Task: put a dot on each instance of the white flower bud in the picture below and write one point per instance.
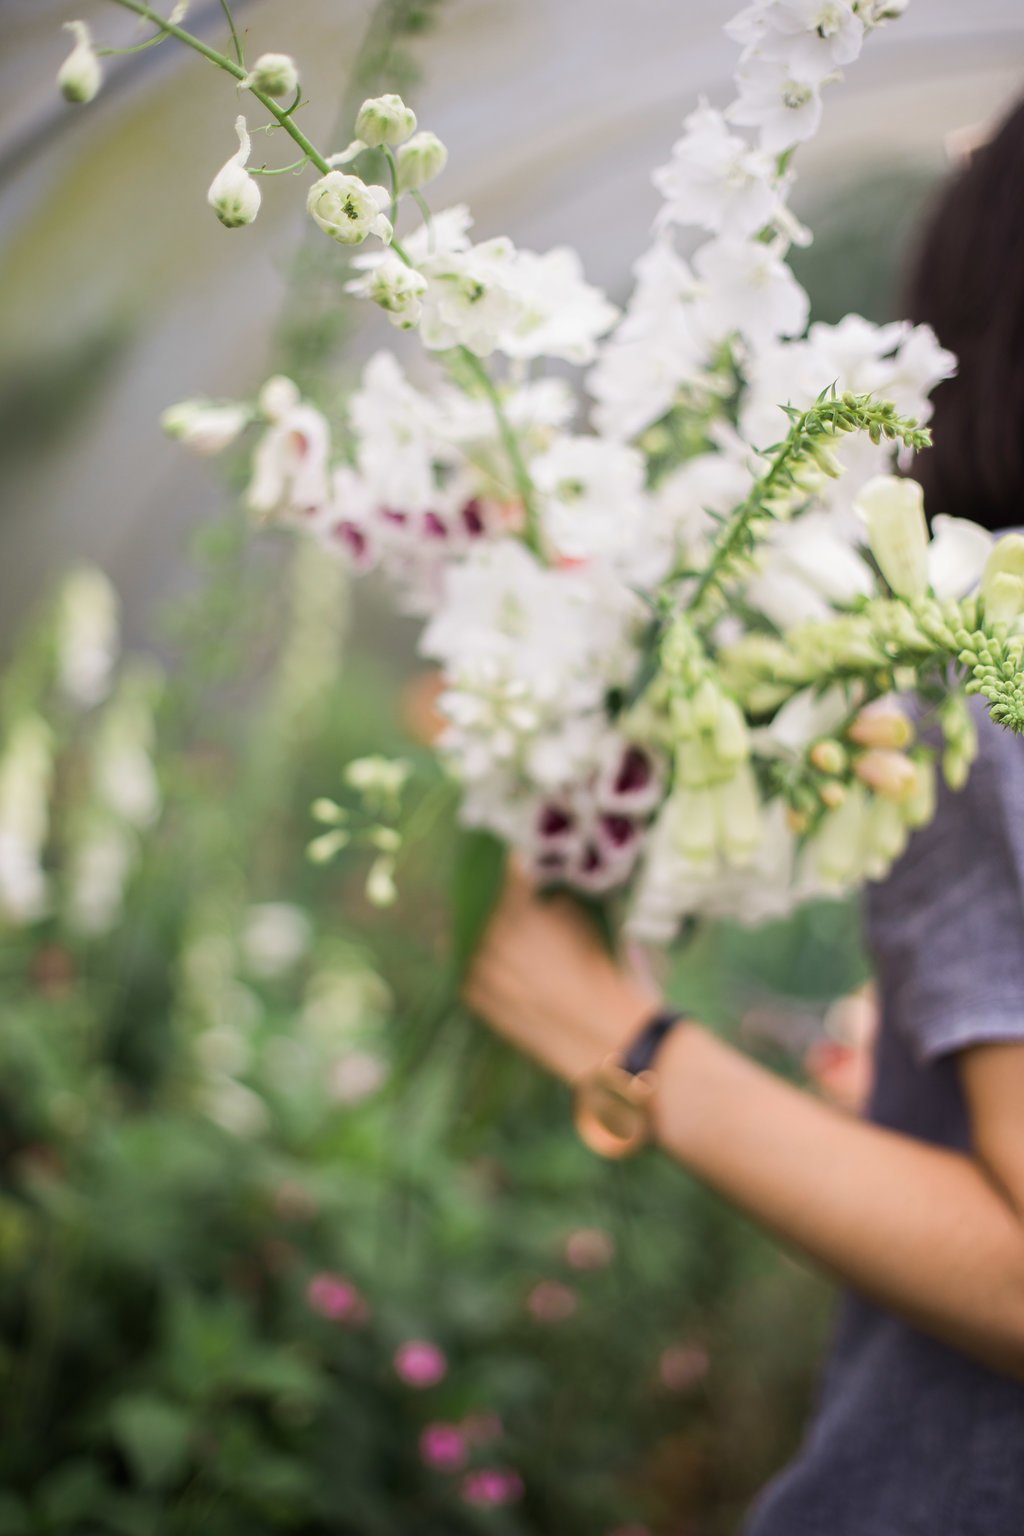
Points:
(420, 160)
(837, 848)
(275, 74)
(80, 76)
(203, 425)
(348, 210)
(381, 890)
(278, 396)
(385, 120)
(893, 510)
(234, 195)
(1002, 584)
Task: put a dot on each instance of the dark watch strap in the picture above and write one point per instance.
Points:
(639, 1057)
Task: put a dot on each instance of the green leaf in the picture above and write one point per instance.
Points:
(153, 1435)
(478, 877)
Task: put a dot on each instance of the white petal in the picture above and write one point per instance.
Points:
(956, 555)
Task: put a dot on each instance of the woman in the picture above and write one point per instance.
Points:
(918, 1208)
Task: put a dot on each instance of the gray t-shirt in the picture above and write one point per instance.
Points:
(911, 1437)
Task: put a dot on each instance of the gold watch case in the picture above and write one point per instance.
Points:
(612, 1110)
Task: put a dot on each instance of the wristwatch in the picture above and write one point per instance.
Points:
(612, 1105)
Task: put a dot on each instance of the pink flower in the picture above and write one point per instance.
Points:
(443, 1446)
(589, 1248)
(551, 1302)
(492, 1486)
(419, 1363)
(682, 1366)
(334, 1297)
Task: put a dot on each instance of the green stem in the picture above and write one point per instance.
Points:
(230, 67)
(389, 156)
(239, 55)
(280, 170)
(520, 474)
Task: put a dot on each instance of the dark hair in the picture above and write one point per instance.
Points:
(967, 282)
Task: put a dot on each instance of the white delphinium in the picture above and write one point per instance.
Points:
(397, 288)
(782, 102)
(420, 160)
(234, 195)
(397, 446)
(275, 74)
(717, 181)
(88, 636)
(385, 120)
(747, 288)
(471, 298)
(348, 209)
(654, 352)
(561, 314)
(815, 37)
(592, 496)
(26, 768)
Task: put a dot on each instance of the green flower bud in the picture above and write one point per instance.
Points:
(919, 806)
(829, 756)
(420, 160)
(385, 120)
(893, 510)
(706, 704)
(731, 736)
(275, 74)
(80, 76)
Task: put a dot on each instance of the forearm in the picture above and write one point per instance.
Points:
(919, 1229)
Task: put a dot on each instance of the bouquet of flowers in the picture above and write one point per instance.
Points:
(674, 611)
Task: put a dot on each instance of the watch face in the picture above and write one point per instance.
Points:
(612, 1110)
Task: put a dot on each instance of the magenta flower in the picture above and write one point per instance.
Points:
(492, 1486)
(443, 1446)
(419, 1363)
(334, 1297)
(551, 1302)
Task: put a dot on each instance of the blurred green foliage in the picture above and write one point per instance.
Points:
(236, 1082)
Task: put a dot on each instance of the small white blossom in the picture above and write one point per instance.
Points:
(748, 288)
(592, 495)
(80, 76)
(234, 195)
(290, 464)
(716, 181)
(348, 210)
(812, 37)
(782, 103)
(397, 288)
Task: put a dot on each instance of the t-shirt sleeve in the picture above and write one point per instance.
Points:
(947, 927)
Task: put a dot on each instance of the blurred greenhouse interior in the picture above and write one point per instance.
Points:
(284, 1244)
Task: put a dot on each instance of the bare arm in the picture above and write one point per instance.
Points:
(934, 1235)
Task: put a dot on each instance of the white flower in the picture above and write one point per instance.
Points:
(397, 288)
(748, 288)
(471, 298)
(420, 160)
(275, 74)
(655, 350)
(396, 446)
(275, 937)
(348, 210)
(87, 636)
(1002, 585)
(204, 426)
(290, 464)
(80, 76)
(385, 120)
(805, 569)
(716, 180)
(234, 195)
(814, 37)
(592, 495)
(783, 103)
(26, 769)
(893, 510)
(956, 556)
(561, 315)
